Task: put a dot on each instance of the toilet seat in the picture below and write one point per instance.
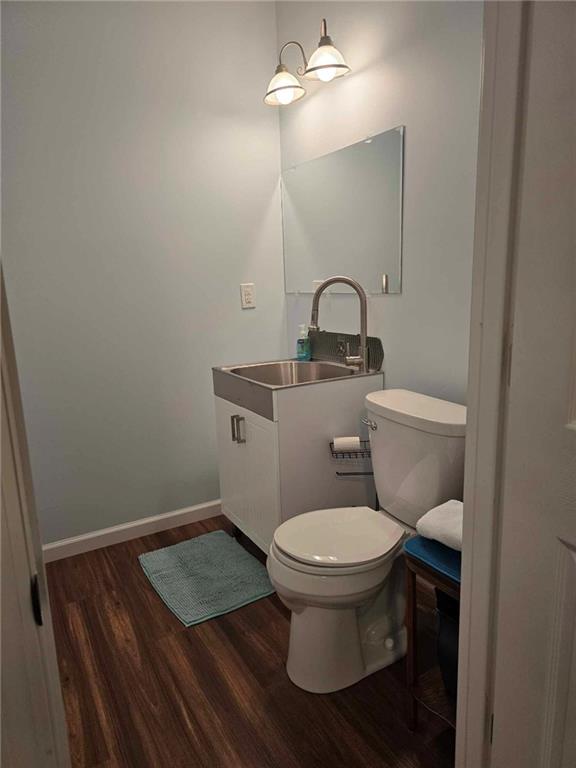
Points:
(337, 541)
(326, 571)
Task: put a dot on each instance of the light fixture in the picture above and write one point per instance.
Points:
(285, 88)
(326, 64)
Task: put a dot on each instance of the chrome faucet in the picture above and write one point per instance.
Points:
(361, 359)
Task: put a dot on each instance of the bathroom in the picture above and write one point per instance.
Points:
(153, 252)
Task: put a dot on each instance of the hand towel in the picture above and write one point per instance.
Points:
(444, 524)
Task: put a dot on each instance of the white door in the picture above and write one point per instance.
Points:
(534, 683)
(33, 727)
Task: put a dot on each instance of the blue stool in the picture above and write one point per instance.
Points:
(439, 566)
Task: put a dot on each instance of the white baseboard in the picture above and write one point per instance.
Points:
(86, 542)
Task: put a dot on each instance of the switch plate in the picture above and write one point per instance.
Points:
(247, 297)
(316, 284)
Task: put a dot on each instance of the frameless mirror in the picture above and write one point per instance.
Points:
(342, 215)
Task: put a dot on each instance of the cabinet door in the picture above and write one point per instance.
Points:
(262, 475)
(249, 472)
(231, 463)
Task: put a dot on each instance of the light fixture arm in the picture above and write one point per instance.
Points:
(325, 38)
(300, 70)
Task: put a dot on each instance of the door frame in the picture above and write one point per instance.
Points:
(25, 552)
(502, 75)
(503, 69)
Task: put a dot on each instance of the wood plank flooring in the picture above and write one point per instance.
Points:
(142, 691)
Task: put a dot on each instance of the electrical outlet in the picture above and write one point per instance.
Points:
(247, 297)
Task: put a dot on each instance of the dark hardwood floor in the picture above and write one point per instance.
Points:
(142, 691)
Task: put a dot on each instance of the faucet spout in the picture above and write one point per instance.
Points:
(361, 359)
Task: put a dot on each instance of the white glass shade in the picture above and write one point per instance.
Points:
(325, 64)
(283, 89)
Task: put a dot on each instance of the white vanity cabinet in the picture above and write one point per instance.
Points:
(278, 465)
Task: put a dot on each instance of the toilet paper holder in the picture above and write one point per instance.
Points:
(363, 452)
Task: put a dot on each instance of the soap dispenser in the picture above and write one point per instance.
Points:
(303, 351)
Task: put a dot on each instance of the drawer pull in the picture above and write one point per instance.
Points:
(239, 421)
(235, 422)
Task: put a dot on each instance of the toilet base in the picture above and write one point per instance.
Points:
(326, 652)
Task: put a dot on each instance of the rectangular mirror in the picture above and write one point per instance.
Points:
(342, 215)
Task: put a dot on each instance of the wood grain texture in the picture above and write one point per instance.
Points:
(143, 691)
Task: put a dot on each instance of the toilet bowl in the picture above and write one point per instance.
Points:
(339, 631)
(339, 571)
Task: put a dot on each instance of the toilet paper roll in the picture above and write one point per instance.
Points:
(347, 444)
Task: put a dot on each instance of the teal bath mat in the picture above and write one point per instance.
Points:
(205, 577)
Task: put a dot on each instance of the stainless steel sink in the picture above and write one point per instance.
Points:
(254, 385)
(287, 373)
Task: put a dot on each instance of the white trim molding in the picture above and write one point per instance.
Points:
(504, 26)
(116, 534)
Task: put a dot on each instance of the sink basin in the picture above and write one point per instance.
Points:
(285, 373)
(256, 386)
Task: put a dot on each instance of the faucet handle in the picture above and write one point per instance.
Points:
(357, 359)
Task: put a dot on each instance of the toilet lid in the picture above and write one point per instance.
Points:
(344, 536)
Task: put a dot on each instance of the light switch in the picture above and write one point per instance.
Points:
(247, 296)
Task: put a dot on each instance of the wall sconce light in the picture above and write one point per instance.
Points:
(326, 63)
(284, 88)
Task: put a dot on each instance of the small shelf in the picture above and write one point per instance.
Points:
(364, 452)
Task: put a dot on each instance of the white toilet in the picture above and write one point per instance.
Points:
(338, 570)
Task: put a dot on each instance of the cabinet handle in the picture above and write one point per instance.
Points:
(240, 420)
(235, 422)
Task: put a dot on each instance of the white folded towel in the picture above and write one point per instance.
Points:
(443, 523)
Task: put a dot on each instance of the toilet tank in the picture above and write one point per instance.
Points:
(417, 451)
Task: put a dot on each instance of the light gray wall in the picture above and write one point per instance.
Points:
(140, 181)
(140, 187)
(418, 65)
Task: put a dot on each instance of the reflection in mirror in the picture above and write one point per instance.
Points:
(342, 215)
